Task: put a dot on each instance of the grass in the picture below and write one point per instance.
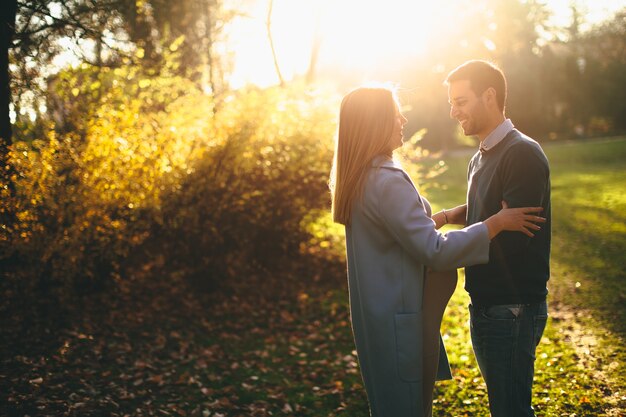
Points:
(581, 357)
(282, 345)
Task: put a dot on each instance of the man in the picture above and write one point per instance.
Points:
(508, 310)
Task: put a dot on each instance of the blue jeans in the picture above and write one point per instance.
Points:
(504, 338)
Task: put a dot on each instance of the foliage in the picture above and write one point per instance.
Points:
(110, 34)
(150, 24)
(247, 201)
(605, 69)
(42, 31)
(147, 161)
(82, 198)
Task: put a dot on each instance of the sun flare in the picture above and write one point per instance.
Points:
(353, 35)
(356, 37)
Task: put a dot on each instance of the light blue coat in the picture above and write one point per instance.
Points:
(390, 241)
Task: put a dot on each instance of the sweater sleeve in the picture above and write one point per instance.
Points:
(403, 214)
(525, 180)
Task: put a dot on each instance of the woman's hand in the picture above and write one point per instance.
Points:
(521, 219)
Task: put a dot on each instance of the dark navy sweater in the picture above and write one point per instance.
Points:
(515, 170)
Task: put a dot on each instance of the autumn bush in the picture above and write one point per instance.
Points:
(135, 163)
(242, 205)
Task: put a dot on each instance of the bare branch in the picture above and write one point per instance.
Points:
(268, 25)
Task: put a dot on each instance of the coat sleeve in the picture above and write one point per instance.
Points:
(403, 214)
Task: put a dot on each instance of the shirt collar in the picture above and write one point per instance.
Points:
(496, 135)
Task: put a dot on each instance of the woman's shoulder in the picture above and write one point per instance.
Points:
(387, 180)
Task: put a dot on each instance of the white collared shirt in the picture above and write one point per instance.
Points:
(497, 135)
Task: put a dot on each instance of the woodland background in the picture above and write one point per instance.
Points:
(165, 242)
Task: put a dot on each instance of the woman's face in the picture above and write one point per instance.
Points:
(397, 135)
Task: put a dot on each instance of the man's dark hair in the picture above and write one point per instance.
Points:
(481, 75)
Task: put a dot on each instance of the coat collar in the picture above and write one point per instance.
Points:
(382, 161)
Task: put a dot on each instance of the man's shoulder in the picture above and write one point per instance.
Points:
(519, 143)
(517, 138)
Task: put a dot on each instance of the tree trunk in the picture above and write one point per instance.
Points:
(209, 9)
(7, 30)
(315, 51)
(268, 25)
(315, 48)
(7, 214)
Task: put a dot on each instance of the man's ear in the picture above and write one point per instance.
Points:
(490, 96)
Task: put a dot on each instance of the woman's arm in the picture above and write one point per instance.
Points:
(454, 215)
(520, 220)
(401, 211)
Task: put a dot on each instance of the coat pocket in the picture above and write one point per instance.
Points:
(409, 346)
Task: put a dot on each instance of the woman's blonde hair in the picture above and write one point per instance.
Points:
(366, 122)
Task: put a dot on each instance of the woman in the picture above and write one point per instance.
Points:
(391, 240)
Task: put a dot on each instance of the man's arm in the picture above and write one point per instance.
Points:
(457, 215)
(526, 181)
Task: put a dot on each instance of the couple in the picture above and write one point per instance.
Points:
(393, 249)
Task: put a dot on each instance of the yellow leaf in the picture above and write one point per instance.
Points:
(177, 42)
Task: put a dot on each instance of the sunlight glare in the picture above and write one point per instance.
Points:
(358, 37)
(353, 34)
(366, 34)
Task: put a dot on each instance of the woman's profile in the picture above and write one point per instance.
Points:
(391, 241)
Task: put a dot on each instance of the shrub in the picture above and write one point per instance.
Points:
(243, 204)
(149, 163)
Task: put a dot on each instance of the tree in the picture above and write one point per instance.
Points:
(107, 31)
(586, 77)
(7, 188)
(603, 52)
(7, 31)
(40, 26)
(268, 26)
(155, 24)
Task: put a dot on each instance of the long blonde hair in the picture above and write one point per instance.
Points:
(366, 122)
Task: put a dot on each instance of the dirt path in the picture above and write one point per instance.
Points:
(600, 353)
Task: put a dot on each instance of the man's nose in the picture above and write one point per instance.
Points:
(453, 112)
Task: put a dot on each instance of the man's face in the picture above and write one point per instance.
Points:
(468, 109)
